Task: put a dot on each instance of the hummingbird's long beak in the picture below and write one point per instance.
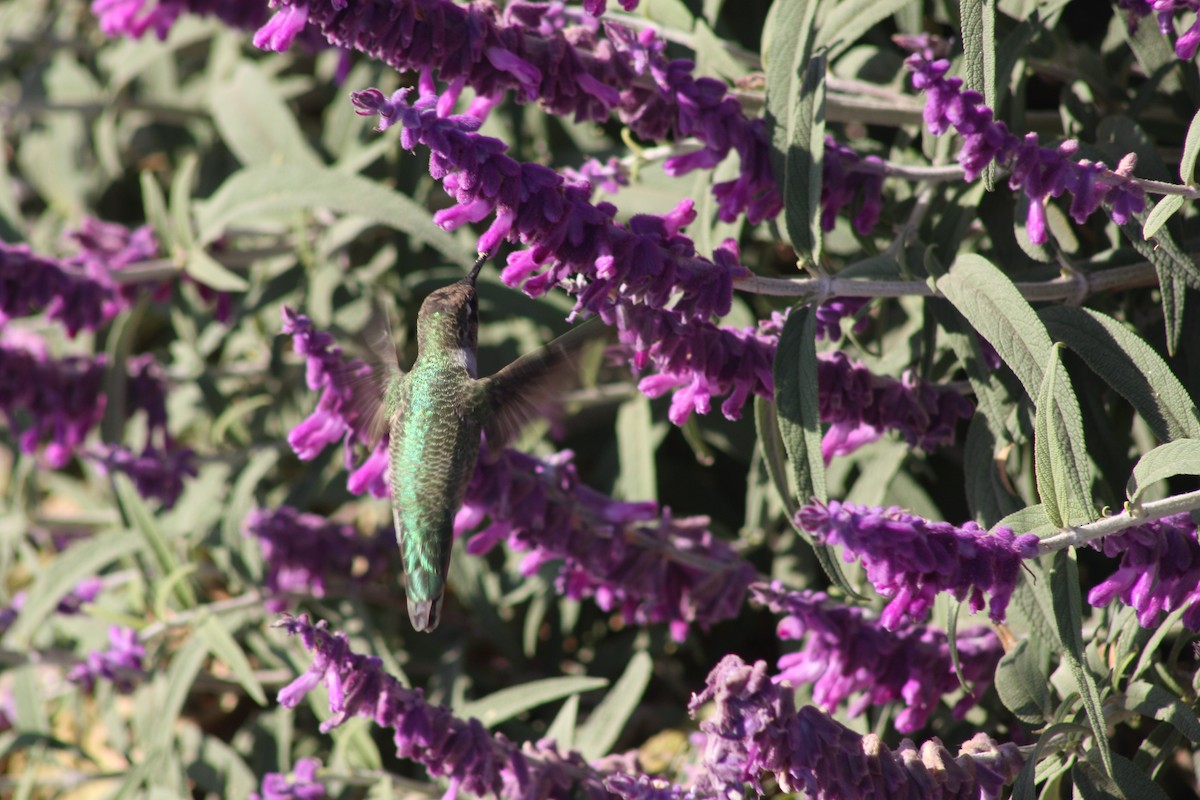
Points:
(474, 273)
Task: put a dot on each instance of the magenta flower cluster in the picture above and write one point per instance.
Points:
(848, 653)
(302, 786)
(86, 591)
(755, 730)
(532, 52)
(846, 177)
(1159, 570)
(1166, 11)
(302, 551)
(461, 751)
(120, 663)
(635, 558)
(910, 560)
(1041, 172)
(134, 17)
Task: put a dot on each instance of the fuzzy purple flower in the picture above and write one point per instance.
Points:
(635, 558)
(335, 418)
(1159, 570)
(829, 316)
(86, 591)
(460, 750)
(1165, 10)
(569, 70)
(120, 663)
(845, 175)
(756, 730)
(910, 560)
(133, 18)
(303, 785)
(156, 473)
(1041, 171)
(30, 283)
(847, 652)
(48, 402)
(644, 787)
(302, 550)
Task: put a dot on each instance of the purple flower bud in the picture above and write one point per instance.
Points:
(635, 558)
(157, 474)
(460, 750)
(1186, 44)
(644, 787)
(831, 313)
(302, 550)
(121, 663)
(756, 730)
(910, 560)
(304, 785)
(1159, 570)
(849, 653)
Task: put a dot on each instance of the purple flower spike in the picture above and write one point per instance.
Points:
(132, 18)
(1159, 570)
(847, 653)
(845, 175)
(50, 403)
(1187, 43)
(1041, 171)
(155, 473)
(635, 558)
(910, 560)
(573, 72)
(304, 785)
(460, 750)
(756, 730)
(302, 550)
(831, 313)
(121, 663)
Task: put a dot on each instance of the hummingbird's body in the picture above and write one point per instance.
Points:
(433, 415)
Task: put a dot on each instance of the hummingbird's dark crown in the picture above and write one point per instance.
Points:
(449, 316)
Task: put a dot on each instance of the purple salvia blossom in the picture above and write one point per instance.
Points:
(335, 418)
(133, 18)
(49, 402)
(460, 750)
(1041, 171)
(302, 550)
(607, 176)
(156, 473)
(86, 591)
(570, 71)
(756, 730)
(829, 316)
(843, 179)
(847, 652)
(303, 786)
(30, 283)
(635, 558)
(910, 560)
(1159, 570)
(105, 248)
(644, 787)
(597, 7)
(1187, 43)
(120, 663)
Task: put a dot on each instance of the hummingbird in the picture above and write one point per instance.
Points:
(433, 415)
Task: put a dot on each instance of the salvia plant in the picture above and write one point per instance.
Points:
(867, 467)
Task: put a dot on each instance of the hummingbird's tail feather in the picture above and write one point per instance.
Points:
(425, 590)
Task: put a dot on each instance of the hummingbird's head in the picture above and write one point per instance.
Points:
(449, 318)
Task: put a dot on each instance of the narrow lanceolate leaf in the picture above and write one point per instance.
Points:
(142, 521)
(796, 116)
(1064, 476)
(1181, 457)
(979, 54)
(1176, 270)
(1191, 147)
(1022, 685)
(1129, 365)
(1163, 210)
(798, 413)
(508, 703)
(1156, 702)
(847, 21)
(604, 726)
(255, 123)
(995, 308)
(1068, 618)
(226, 648)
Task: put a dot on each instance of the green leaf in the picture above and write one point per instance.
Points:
(604, 726)
(1181, 457)
(1156, 702)
(241, 497)
(60, 577)
(508, 703)
(795, 97)
(255, 123)
(205, 269)
(181, 200)
(849, 20)
(1022, 685)
(636, 444)
(1163, 210)
(1191, 146)
(135, 511)
(1068, 619)
(221, 644)
(1130, 365)
(155, 205)
(979, 55)
(1024, 787)
(997, 311)
(562, 729)
(185, 665)
(1032, 519)
(1062, 470)
(260, 192)
(1176, 272)
(770, 444)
